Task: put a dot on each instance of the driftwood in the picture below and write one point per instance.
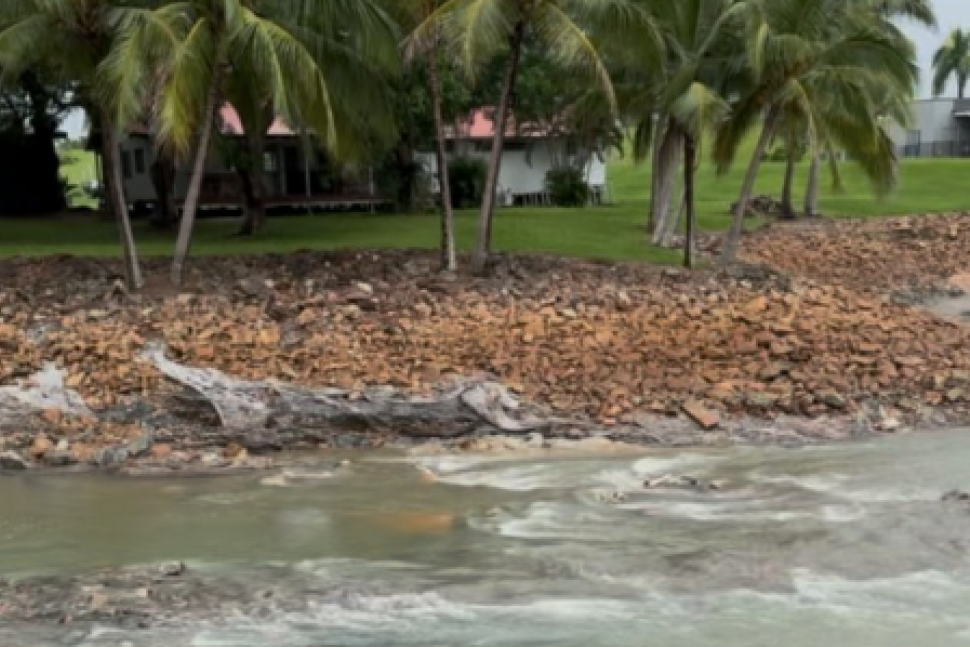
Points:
(43, 391)
(246, 405)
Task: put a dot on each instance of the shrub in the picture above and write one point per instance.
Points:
(467, 176)
(567, 187)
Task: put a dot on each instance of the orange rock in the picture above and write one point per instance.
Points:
(705, 418)
(161, 451)
(41, 447)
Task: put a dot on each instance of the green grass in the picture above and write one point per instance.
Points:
(612, 232)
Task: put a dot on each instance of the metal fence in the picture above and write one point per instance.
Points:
(953, 148)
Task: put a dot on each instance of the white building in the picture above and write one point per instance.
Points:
(528, 154)
(940, 128)
(297, 177)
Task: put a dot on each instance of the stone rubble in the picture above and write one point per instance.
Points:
(622, 346)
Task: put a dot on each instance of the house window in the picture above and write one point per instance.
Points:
(270, 164)
(126, 164)
(139, 162)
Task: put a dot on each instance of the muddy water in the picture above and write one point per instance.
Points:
(846, 545)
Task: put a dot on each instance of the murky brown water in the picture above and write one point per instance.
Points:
(846, 545)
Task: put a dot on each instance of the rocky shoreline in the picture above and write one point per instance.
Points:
(565, 349)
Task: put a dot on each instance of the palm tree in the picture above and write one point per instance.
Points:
(952, 60)
(271, 57)
(825, 62)
(895, 105)
(684, 100)
(90, 36)
(919, 11)
(357, 59)
(480, 29)
(427, 42)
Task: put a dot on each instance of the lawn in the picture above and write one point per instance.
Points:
(614, 231)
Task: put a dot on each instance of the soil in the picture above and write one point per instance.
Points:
(817, 337)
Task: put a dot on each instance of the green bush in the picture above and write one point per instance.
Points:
(467, 176)
(567, 187)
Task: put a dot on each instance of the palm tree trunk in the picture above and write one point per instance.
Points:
(787, 208)
(449, 260)
(484, 245)
(669, 161)
(191, 207)
(655, 165)
(690, 156)
(730, 251)
(254, 186)
(163, 179)
(118, 203)
(811, 192)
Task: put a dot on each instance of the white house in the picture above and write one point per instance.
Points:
(296, 177)
(529, 153)
(940, 128)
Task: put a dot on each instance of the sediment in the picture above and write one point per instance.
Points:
(810, 335)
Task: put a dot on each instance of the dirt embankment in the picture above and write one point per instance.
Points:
(616, 344)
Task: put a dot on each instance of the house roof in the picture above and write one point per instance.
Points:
(232, 124)
(480, 125)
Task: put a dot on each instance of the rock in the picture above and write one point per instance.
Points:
(11, 461)
(241, 457)
(232, 450)
(140, 446)
(41, 446)
(214, 460)
(366, 288)
(611, 497)
(705, 418)
(427, 475)
(61, 458)
(63, 445)
(253, 288)
(960, 282)
(98, 600)
(761, 400)
(172, 569)
(262, 443)
(111, 457)
(669, 481)
(956, 496)
(832, 399)
(82, 453)
(52, 416)
(161, 451)
(536, 440)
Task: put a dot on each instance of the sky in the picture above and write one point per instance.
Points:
(951, 14)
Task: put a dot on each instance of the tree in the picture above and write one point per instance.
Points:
(32, 106)
(952, 61)
(271, 52)
(683, 101)
(480, 29)
(426, 44)
(358, 61)
(826, 62)
(90, 35)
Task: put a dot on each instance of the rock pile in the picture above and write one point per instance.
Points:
(608, 342)
(879, 254)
